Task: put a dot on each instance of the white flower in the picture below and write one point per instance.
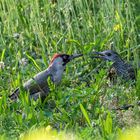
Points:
(23, 61)
(2, 65)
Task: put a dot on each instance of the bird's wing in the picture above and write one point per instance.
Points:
(126, 71)
(37, 83)
(131, 72)
(34, 85)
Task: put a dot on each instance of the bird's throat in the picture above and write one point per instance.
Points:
(56, 75)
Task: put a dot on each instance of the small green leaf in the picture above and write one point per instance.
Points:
(2, 55)
(85, 114)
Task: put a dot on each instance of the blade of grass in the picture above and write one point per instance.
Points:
(34, 62)
(85, 114)
(2, 55)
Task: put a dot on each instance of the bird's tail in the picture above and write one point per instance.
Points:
(14, 95)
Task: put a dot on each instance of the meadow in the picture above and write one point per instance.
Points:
(31, 31)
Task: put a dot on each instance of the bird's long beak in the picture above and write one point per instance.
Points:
(75, 56)
(98, 54)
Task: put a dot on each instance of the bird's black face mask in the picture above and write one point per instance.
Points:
(67, 58)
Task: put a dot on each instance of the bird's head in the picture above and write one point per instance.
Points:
(58, 64)
(107, 55)
(61, 60)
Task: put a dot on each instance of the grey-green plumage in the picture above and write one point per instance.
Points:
(38, 86)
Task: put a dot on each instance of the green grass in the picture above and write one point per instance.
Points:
(34, 30)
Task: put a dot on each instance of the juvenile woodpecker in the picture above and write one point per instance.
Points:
(119, 67)
(38, 86)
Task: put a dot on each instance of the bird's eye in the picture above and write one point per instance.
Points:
(108, 54)
(64, 57)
